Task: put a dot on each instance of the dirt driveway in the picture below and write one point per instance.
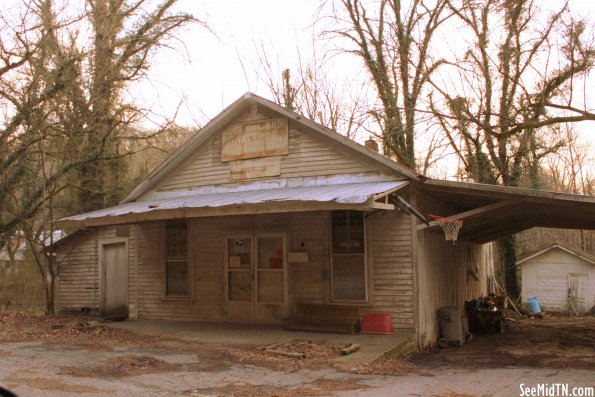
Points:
(59, 356)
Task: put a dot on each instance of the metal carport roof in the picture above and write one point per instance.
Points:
(490, 212)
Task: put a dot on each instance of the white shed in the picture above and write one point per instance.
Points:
(561, 277)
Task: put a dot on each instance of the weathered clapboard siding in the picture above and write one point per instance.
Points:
(444, 273)
(132, 271)
(308, 282)
(78, 280)
(309, 156)
(150, 296)
(545, 277)
(390, 264)
(79, 285)
(208, 261)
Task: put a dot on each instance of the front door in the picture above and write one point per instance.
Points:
(115, 281)
(256, 278)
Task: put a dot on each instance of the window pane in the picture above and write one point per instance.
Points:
(347, 231)
(239, 252)
(270, 252)
(356, 231)
(177, 278)
(183, 245)
(240, 286)
(270, 286)
(171, 249)
(340, 242)
(176, 239)
(349, 277)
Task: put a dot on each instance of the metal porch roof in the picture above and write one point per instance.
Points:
(356, 195)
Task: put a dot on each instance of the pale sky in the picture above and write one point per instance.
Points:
(214, 69)
(209, 70)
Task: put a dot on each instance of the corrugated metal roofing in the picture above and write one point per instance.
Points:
(351, 193)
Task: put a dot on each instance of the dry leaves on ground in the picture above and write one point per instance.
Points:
(381, 366)
(67, 330)
(313, 355)
(122, 366)
(319, 387)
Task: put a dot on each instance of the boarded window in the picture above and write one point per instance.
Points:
(348, 258)
(176, 258)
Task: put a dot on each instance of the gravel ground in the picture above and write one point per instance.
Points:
(62, 356)
(41, 369)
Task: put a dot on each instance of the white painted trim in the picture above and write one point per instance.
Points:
(189, 262)
(568, 250)
(284, 237)
(365, 255)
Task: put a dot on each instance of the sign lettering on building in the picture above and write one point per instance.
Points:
(255, 168)
(255, 139)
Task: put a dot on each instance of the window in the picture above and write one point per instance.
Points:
(348, 274)
(176, 259)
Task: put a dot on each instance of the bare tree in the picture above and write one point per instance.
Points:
(125, 35)
(508, 92)
(308, 89)
(571, 168)
(67, 93)
(394, 44)
(65, 125)
(513, 84)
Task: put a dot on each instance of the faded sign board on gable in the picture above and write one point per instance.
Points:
(255, 168)
(255, 139)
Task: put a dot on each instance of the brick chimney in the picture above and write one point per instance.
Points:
(371, 144)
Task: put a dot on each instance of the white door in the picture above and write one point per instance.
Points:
(256, 278)
(240, 279)
(271, 280)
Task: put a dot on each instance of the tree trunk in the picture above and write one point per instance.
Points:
(507, 249)
(49, 296)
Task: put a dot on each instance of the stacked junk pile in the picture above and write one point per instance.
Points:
(485, 314)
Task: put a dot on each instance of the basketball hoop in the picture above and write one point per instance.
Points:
(450, 227)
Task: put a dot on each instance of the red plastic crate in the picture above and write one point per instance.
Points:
(377, 323)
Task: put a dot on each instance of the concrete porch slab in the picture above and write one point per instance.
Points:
(372, 346)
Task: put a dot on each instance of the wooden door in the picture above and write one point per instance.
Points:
(240, 279)
(577, 292)
(271, 279)
(256, 279)
(115, 282)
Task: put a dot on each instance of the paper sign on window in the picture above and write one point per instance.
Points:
(234, 262)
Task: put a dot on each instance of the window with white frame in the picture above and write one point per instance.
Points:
(176, 259)
(348, 273)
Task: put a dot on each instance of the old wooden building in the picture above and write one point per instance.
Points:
(264, 212)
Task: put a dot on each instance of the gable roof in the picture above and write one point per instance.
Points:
(557, 245)
(232, 111)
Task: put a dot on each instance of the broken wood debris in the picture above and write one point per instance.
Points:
(88, 325)
(350, 348)
(276, 350)
(285, 354)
